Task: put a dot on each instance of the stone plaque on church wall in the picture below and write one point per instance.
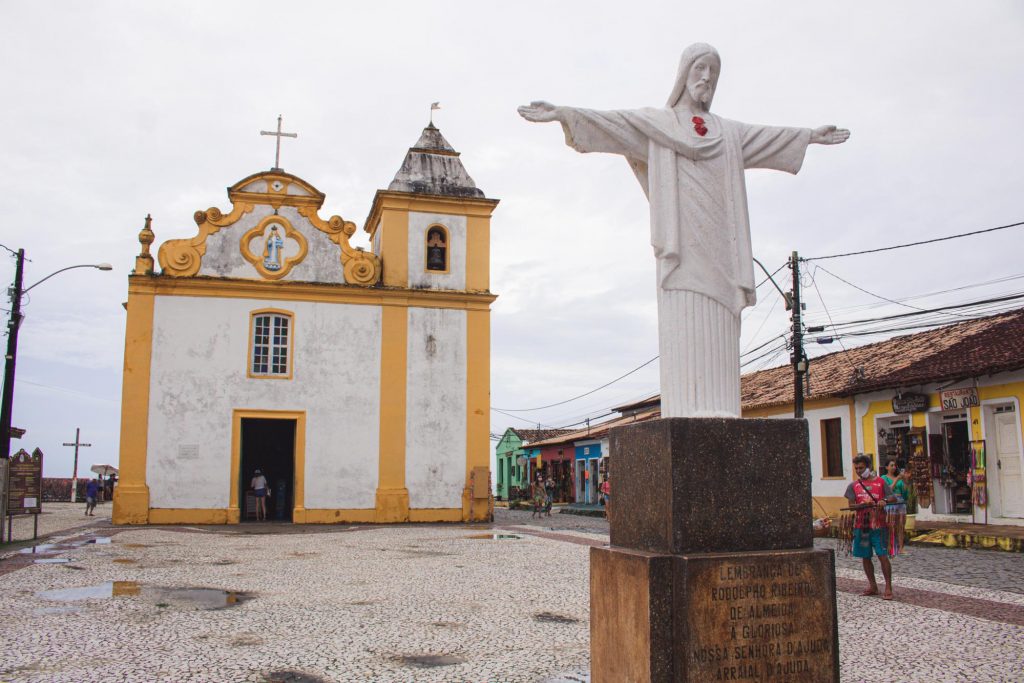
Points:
(767, 616)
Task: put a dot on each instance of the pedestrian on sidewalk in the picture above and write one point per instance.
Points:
(549, 495)
(538, 495)
(92, 489)
(606, 493)
(868, 497)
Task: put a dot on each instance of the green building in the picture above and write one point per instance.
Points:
(511, 473)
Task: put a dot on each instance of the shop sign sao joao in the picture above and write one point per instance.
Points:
(958, 399)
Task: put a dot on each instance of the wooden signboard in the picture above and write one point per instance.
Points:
(25, 483)
(958, 399)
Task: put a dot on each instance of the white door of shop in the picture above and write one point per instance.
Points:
(1008, 462)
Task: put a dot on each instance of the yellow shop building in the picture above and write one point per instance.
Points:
(948, 398)
(356, 381)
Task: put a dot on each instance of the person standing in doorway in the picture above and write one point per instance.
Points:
(259, 487)
(92, 489)
(868, 497)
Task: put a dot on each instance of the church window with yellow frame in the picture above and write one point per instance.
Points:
(437, 249)
(270, 349)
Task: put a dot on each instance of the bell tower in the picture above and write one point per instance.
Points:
(431, 231)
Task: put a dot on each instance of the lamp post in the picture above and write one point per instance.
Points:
(13, 325)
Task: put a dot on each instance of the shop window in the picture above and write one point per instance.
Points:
(270, 348)
(437, 249)
(832, 447)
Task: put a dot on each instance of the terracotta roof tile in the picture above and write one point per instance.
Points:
(969, 349)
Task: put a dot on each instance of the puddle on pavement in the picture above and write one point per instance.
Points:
(196, 598)
(292, 677)
(57, 610)
(52, 560)
(446, 624)
(552, 618)
(100, 540)
(494, 537)
(429, 661)
(42, 548)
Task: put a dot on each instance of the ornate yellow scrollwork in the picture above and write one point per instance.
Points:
(360, 267)
(182, 258)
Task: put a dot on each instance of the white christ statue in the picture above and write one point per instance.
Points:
(690, 164)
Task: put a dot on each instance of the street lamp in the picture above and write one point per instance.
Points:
(13, 325)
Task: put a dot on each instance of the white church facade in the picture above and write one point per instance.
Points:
(356, 381)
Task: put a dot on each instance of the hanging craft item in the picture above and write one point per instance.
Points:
(976, 478)
(920, 467)
(844, 532)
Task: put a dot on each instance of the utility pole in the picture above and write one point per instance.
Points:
(11, 358)
(74, 474)
(798, 357)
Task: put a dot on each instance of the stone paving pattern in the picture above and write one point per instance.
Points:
(430, 603)
(57, 517)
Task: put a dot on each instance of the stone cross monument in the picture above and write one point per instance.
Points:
(712, 574)
(690, 164)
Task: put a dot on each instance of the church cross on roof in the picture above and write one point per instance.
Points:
(278, 135)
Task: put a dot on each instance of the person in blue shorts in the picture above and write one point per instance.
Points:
(260, 488)
(868, 496)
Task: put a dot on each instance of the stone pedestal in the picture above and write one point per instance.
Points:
(712, 574)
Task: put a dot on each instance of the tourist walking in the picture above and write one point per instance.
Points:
(538, 495)
(92, 489)
(868, 497)
(549, 495)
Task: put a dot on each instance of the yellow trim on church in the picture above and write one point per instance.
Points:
(299, 454)
(131, 496)
(392, 498)
(308, 291)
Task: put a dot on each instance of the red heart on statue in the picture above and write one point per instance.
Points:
(701, 131)
(698, 120)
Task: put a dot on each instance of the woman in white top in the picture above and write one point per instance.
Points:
(259, 486)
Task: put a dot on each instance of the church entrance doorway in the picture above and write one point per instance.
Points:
(268, 445)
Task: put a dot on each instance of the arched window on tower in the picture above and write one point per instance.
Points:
(437, 249)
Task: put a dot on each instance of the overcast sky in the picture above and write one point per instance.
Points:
(113, 110)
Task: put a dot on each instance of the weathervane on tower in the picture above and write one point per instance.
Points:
(278, 135)
(433, 106)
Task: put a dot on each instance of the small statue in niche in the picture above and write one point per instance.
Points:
(272, 251)
(437, 250)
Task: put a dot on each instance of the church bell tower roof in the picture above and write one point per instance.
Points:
(432, 166)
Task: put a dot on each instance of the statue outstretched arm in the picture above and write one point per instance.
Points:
(540, 112)
(829, 135)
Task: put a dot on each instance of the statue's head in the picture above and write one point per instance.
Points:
(697, 76)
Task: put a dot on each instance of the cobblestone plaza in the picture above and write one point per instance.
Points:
(507, 602)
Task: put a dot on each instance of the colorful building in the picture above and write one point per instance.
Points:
(515, 463)
(946, 401)
(357, 381)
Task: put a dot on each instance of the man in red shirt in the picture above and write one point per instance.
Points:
(869, 495)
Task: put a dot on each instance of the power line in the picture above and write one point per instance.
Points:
(877, 296)
(915, 244)
(814, 283)
(503, 411)
(900, 316)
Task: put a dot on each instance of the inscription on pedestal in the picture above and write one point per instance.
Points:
(758, 617)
